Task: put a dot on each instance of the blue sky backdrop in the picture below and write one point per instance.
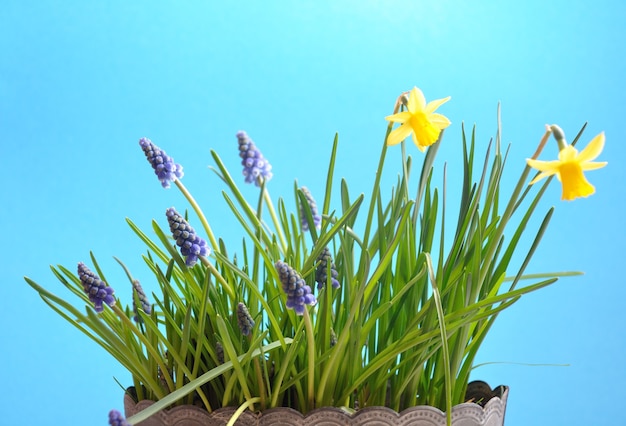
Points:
(81, 82)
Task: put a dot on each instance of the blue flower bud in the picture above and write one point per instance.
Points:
(298, 292)
(321, 272)
(245, 321)
(117, 419)
(143, 300)
(97, 290)
(219, 351)
(255, 167)
(191, 245)
(317, 219)
(164, 167)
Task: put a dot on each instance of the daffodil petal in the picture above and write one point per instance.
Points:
(569, 153)
(417, 101)
(593, 149)
(417, 143)
(593, 166)
(400, 117)
(439, 120)
(398, 135)
(541, 176)
(433, 105)
(544, 166)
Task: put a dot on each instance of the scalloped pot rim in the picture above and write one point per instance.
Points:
(465, 414)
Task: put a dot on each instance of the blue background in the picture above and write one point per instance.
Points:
(81, 82)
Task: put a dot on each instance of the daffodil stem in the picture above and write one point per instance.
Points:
(542, 143)
(512, 204)
(405, 172)
(559, 135)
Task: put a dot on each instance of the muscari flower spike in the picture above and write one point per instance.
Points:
(420, 121)
(219, 351)
(317, 219)
(161, 375)
(321, 272)
(97, 290)
(143, 300)
(298, 292)
(570, 166)
(164, 167)
(117, 419)
(255, 167)
(245, 321)
(191, 245)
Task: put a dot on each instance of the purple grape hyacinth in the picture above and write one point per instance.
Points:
(97, 290)
(298, 292)
(191, 245)
(143, 300)
(219, 352)
(117, 419)
(321, 272)
(164, 167)
(245, 321)
(317, 219)
(255, 166)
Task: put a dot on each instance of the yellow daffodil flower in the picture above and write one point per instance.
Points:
(570, 166)
(420, 121)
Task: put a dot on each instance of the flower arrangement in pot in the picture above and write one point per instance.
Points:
(375, 301)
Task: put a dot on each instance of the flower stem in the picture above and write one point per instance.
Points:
(198, 210)
(225, 285)
(270, 207)
(311, 359)
(512, 205)
(542, 143)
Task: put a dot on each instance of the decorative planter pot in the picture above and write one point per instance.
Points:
(466, 414)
